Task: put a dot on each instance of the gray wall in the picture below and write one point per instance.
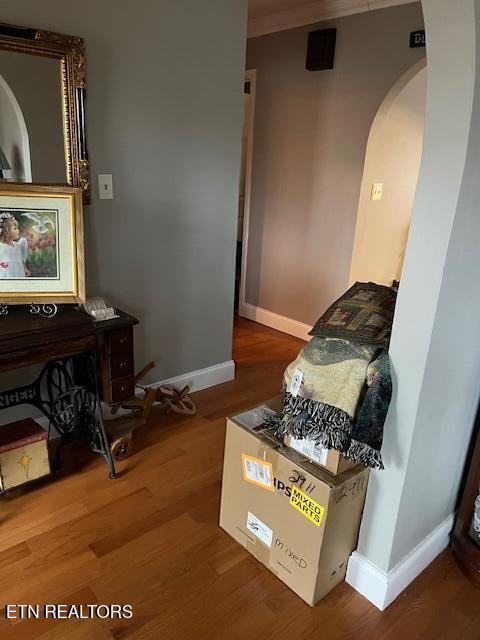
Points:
(35, 81)
(311, 131)
(164, 106)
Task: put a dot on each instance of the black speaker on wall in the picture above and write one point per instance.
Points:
(321, 49)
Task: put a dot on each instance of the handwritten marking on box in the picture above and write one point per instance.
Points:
(306, 506)
(258, 472)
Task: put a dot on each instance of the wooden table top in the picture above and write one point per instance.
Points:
(20, 330)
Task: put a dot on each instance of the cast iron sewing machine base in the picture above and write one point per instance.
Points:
(66, 392)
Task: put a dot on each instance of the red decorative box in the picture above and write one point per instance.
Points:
(23, 453)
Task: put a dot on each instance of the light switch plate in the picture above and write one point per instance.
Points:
(377, 191)
(105, 186)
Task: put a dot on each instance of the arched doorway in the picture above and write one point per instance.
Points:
(392, 160)
(14, 139)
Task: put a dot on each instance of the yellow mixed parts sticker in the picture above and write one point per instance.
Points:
(307, 507)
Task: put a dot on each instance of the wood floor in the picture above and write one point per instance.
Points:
(150, 538)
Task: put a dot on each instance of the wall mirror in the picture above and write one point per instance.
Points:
(42, 108)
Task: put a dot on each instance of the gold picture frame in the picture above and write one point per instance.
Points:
(42, 258)
(70, 51)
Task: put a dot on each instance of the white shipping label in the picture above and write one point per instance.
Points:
(310, 449)
(296, 382)
(259, 529)
(256, 471)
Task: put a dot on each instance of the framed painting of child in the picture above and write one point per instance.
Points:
(41, 244)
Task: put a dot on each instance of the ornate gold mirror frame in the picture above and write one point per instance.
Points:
(70, 51)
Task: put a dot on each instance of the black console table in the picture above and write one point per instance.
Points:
(81, 357)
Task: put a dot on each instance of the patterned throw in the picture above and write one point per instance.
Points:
(364, 314)
(342, 399)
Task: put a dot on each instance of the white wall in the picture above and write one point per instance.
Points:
(435, 348)
(451, 384)
(393, 158)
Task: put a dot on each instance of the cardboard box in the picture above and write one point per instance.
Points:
(294, 517)
(23, 453)
(332, 460)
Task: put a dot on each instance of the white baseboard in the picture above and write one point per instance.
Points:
(197, 380)
(382, 588)
(203, 378)
(275, 321)
(43, 421)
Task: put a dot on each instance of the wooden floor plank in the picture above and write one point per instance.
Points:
(13, 554)
(150, 538)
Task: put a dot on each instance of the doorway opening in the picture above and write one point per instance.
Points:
(389, 182)
(245, 188)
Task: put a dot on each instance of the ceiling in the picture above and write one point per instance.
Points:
(257, 8)
(268, 16)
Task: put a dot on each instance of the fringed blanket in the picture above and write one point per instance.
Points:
(325, 398)
(363, 314)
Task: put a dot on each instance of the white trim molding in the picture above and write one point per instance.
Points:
(312, 12)
(275, 321)
(202, 378)
(196, 380)
(382, 588)
(251, 77)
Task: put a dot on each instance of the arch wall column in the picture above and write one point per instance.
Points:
(435, 347)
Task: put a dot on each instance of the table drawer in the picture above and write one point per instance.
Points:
(120, 341)
(121, 365)
(122, 389)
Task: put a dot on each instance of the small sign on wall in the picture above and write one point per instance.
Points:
(417, 39)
